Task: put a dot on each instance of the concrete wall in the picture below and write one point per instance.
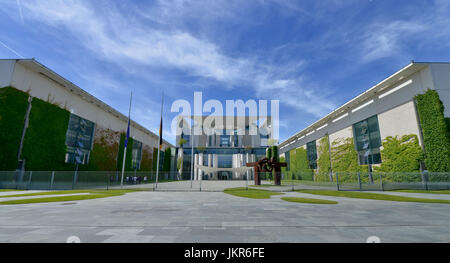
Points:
(46, 89)
(441, 80)
(6, 70)
(399, 121)
(342, 128)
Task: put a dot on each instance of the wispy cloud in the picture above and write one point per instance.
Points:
(10, 49)
(116, 38)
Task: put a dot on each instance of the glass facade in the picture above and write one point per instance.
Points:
(368, 141)
(79, 139)
(312, 154)
(224, 140)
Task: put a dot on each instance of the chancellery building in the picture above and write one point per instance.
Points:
(388, 109)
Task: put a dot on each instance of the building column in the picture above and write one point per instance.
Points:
(215, 165)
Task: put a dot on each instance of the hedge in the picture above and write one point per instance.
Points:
(44, 146)
(13, 107)
(147, 160)
(436, 137)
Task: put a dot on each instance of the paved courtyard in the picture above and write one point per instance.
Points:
(218, 217)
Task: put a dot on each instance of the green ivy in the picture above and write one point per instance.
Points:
(299, 164)
(147, 160)
(435, 131)
(44, 146)
(400, 155)
(155, 159)
(323, 163)
(103, 156)
(344, 156)
(129, 157)
(13, 107)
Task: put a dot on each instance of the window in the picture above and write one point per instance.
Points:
(79, 139)
(311, 151)
(225, 160)
(264, 140)
(236, 139)
(187, 138)
(368, 141)
(224, 140)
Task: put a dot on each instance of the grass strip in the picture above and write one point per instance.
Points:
(373, 196)
(250, 193)
(308, 200)
(94, 194)
(445, 192)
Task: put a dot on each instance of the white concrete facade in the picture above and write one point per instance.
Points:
(392, 100)
(30, 76)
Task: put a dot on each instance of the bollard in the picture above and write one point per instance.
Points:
(337, 181)
(381, 182)
(52, 180)
(359, 181)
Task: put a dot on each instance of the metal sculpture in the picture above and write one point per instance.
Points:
(266, 165)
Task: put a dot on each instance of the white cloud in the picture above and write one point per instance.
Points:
(384, 40)
(117, 38)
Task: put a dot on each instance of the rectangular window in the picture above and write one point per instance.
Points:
(224, 140)
(264, 140)
(311, 151)
(79, 139)
(368, 141)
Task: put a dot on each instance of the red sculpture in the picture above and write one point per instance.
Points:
(265, 165)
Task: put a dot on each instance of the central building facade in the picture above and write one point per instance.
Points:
(222, 151)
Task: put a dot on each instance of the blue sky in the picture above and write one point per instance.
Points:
(313, 56)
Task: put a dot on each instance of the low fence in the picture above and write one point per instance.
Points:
(174, 181)
(375, 181)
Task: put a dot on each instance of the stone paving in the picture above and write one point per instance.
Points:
(218, 217)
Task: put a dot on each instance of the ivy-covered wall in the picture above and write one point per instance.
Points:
(103, 156)
(129, 157)
(401, 154)
(147, 159)
(436, 137)
(299, 164)
(44, 146)
(344, 156)
(323, 162)
(167, 160)
(13, 107)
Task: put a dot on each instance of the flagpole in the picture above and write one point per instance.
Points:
(126, 142)
(159, 141)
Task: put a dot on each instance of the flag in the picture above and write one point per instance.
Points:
(160, 134)
(128, 133)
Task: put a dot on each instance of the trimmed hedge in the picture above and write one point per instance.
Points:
(13, 107)
(167, 159)
(147, 161)
(44, 146)
(435, 132)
